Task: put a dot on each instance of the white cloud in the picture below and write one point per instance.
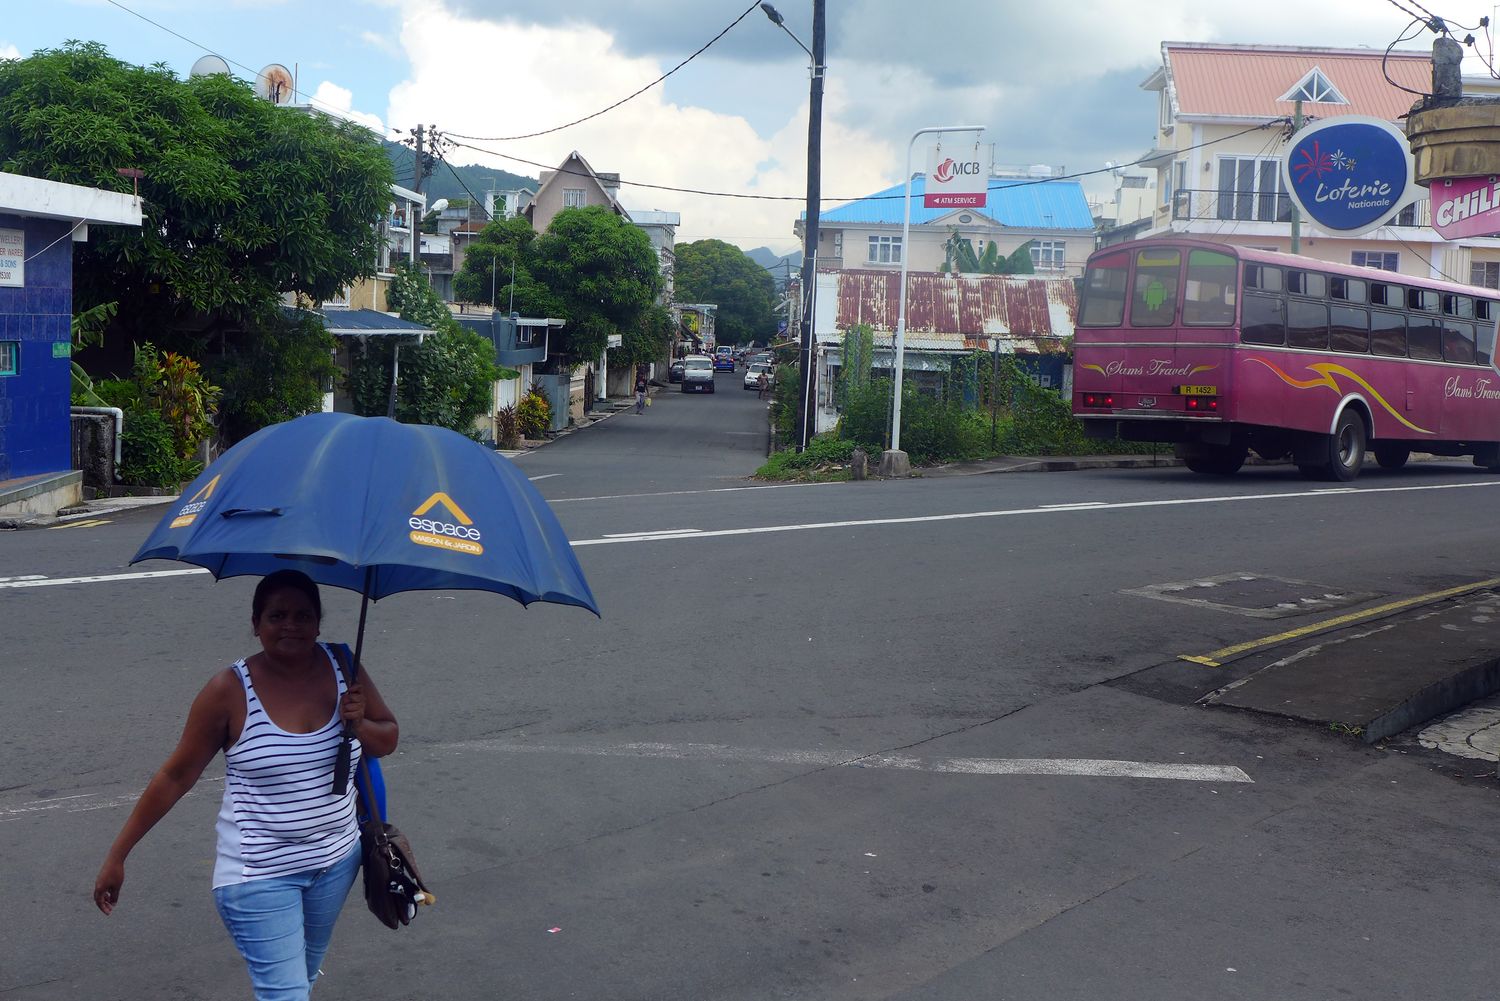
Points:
(647, 140)
(331, 97)
(8, 51)
(384, 43)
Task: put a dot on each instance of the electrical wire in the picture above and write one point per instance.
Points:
(799, 198)
(475, 198)
(1384, 59)
(623, 100)
(1425, 260)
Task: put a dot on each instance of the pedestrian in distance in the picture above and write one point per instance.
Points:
(640, 394)
(288, 845)
(764, 385)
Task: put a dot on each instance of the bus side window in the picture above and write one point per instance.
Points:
(1421, 300)
(1154, 302)
(1424, 336)
(1388, 333)
(1484, 344)
(1307, 324)
(1382, 294)
(1348, 289)
(1460, 306)
(1349, 329)
(1263, 278)
(1263, 319)
(1308, 283)
(1104, 292)
(1458, 341)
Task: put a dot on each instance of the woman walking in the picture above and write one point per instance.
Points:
(288, 846)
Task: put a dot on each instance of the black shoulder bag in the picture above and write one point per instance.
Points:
(393, 886)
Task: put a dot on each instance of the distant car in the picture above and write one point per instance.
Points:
(697, 374)
(752, 375)
(674, 373)
(724, 363)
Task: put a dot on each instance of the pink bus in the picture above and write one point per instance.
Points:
(1223, 349)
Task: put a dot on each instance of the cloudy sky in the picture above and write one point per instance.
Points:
(1054, 83)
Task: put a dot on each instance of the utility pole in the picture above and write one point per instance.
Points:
(1296, 216)
(807, 392)
(417, 187)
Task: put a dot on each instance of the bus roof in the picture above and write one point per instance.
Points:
(1298, 261)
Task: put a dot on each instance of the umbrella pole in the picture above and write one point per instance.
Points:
(364, 607)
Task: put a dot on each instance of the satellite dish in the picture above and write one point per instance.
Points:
(438, 206)
(274, 83)
(208, 66)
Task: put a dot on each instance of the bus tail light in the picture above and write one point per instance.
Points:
(1098, 399)
(1208, 403)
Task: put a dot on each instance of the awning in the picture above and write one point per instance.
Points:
(367, 323)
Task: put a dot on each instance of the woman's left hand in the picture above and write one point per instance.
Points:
(352, 705)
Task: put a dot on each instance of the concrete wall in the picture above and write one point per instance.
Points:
(847, 246)
(34, 429)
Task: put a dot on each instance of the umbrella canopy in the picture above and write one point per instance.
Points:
(375, 506)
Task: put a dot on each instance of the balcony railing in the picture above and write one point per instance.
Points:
(1260, 206)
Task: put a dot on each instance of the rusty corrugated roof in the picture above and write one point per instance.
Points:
(944, 312)
(1249, 80)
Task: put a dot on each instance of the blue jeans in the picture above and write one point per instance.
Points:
(282, 925)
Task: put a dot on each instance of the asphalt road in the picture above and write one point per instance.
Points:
(827, 742)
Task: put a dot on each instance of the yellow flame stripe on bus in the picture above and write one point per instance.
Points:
(1327, 371)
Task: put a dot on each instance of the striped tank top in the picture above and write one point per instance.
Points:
(279, 814)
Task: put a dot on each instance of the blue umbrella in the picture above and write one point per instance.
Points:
(375, 506)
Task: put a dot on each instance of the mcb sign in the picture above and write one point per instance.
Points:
(957, 179)
(1350, 174)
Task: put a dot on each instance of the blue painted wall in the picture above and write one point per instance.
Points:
(34, 435)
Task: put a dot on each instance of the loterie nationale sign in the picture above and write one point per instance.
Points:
(1350, 174)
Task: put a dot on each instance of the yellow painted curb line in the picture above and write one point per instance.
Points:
(1217, 657)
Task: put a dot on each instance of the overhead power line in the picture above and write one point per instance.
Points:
(623, 100)
(449, 137)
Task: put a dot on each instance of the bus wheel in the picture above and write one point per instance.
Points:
(1215, 460)
(1391, 456)
(1346, 447)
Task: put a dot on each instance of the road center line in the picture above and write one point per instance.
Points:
(101, 578)
(544, 476)
(1008, 512)
(1082, 767)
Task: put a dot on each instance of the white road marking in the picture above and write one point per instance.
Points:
(665, 531)
(682, 493)
(1088, 767)
(79, 803)
(970, 515)
(1075, 504)
(544, 476)
(29, 576)
(101, 578)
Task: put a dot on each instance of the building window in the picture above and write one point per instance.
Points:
(1047, 255)
(1485, 274)
(1315, 87)
(1251, 189)
(10, 357)
(573, 198)
(885, 250)
(1407, 216)
(1382, 260)
(838, 244)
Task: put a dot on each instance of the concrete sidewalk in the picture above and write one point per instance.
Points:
(1050, 464)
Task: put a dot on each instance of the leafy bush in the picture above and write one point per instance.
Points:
(535, 414)
(508, 428)
(149, 454)
(784, 401)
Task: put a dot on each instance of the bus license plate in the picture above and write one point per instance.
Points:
(1198, 390)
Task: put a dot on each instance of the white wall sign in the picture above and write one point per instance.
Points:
(957, 178)
(12, 258)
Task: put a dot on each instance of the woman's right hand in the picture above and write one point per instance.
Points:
(107, 884)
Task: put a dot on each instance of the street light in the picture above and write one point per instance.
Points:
(806, 397)
(893, 462)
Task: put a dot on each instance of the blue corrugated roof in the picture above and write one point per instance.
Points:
(1019, 203)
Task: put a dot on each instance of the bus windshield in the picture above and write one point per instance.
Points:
(1154, 301)
(1104, 292)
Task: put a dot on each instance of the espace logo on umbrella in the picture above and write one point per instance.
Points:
(459, 538)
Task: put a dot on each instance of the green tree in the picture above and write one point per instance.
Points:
(243, 203)
(279, 372)
(447, 380)
(505, 249)
(602, 273)
(718, 272)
